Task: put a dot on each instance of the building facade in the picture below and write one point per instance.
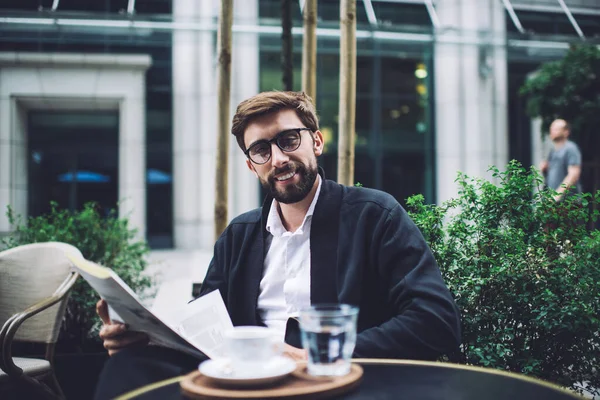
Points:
(114, 101)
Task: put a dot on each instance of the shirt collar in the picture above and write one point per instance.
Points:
(274, 224)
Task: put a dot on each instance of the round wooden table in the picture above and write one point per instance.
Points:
(414, 380)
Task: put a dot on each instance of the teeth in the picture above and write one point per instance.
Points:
(286, 176)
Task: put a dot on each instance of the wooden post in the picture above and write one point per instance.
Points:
(347, 92)
(287, 45)
(309, 50)
(224, 94)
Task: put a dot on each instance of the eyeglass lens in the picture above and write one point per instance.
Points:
(287, 141)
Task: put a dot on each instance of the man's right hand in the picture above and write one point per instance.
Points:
(114, 334)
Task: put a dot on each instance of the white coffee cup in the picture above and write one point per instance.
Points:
(248, 346)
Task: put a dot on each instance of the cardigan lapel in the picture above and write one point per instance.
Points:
(255, 265)
(324, 233)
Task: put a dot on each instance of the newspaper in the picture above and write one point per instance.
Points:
(199, 330)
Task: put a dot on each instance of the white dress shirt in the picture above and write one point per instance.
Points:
(285, 285)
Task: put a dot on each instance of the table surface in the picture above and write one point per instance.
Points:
(415, 380)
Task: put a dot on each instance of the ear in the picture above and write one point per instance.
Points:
(318, 143)
(251, 167)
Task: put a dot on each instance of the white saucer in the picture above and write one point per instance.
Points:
(223, 373)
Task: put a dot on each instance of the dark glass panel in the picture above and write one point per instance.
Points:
(551, 23)
(25, 5)
(73, 159)
(364, 167)
(398, 76)
(159, 194)
(403, 121)
(364, 75)
(271, 9)
(519, 123)
(153, 6)
(403, 174)
(108, 6)
(390, 13)
(271, 74)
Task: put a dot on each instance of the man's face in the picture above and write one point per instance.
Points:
(287, 176)
(558, 131)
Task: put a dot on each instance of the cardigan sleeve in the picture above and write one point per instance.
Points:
(215, 275)
(426, 322)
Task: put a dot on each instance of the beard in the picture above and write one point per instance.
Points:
(292, 193)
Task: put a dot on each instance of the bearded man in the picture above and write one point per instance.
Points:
(313, 241)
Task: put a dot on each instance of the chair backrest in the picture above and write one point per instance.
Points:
(29, 274)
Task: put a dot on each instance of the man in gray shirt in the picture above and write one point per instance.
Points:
(563, 166)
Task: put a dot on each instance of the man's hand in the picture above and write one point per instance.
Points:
(115, 335)
(294, 353)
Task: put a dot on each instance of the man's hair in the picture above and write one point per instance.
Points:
(566, 125)
(269, 102)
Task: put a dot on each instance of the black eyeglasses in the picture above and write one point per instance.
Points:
(288, 140)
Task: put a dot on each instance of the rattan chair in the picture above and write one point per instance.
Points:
(35, 281)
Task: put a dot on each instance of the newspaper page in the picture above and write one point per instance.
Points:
(203, 322)
(197, 334)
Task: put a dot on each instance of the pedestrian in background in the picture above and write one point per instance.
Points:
(562, 168)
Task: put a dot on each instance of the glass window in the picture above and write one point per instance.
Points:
(271, 9)
(398, 76)
(271, 75)
(25, 5)
(329, 10)
(153, 6)
(108, 6)
(73, 160)
(550, 23)
(391, 13)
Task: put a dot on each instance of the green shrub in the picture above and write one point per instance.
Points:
(105, 240)
(525, 274)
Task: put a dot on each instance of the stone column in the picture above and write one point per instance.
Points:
(194, 123)
(194, 119)
(470, 91)
(132, 155)
(243, 185)
(13, 159)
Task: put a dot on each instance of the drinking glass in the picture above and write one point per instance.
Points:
(329, 336)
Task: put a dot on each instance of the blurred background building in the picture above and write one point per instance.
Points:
(114, 101)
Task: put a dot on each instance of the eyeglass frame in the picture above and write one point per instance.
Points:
(275, 140)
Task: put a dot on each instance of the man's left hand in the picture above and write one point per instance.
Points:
(294, 353)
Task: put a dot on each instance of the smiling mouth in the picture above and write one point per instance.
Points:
(285, 177)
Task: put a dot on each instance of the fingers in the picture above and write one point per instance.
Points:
(117, 337)
(295, 353)
(102, 311)
(109, 331)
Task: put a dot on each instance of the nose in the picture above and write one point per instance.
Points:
(278, 157)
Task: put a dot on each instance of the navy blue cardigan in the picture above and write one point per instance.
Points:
(365, 251)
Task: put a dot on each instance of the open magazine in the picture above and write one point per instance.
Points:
(201, 324)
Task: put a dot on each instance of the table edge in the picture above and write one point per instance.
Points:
(384, 361)
(487, 370)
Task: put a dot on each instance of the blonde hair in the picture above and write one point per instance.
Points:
(269, 102)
